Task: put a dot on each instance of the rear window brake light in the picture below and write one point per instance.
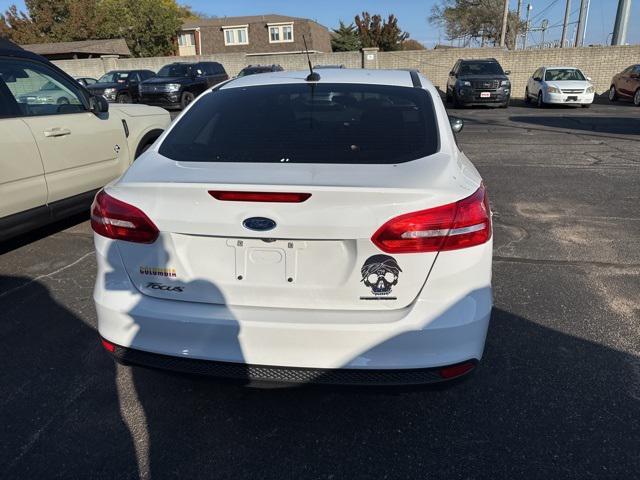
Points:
(273, 197)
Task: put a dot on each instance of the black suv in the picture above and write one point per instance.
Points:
(478, 82)
(253, 69)
(120, 85)
(177, 84)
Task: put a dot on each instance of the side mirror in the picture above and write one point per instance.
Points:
(507, 72)
(589, 79)
(456, 124)
(452, 73)
(98, 104)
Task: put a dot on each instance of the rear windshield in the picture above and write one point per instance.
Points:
(557, 74)
(481, 68)
(307, 123)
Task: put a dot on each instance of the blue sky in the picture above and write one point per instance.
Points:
(412, 14)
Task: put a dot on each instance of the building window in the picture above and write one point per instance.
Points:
(280, 33)
(236, 35)
(186, 39)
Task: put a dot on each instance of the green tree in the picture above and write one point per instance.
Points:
(148, 26)
(376, 32)
(345, 38)
(475, 19)
(51, 21)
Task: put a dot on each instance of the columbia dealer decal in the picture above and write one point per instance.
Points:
(380, 273)
(158, 271)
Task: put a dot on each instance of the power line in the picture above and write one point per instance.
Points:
(544, 10)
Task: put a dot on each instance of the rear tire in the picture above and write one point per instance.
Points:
(186, 98)
(636, 98)
(613, 94)
(123, 98)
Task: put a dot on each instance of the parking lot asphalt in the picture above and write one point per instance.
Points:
(557, 394)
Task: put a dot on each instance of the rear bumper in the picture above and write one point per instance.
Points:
(252, 374)
(445, 325)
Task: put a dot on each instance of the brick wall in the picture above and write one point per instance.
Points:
(599, 63)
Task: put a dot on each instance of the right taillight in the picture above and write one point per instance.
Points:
(113, 218)
(462, 224)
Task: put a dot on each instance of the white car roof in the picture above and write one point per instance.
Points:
(400, 78)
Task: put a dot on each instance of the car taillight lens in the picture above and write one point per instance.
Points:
(275, 197)
(462, 224)
(113, 218)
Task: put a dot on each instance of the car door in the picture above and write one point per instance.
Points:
(451, 82)
(634, 80)
(80, 150)
(22, 183)
(537, 82)
(623, 81)
(531, 83)
(134, 82)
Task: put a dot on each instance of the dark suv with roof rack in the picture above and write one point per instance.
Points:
(478, 82)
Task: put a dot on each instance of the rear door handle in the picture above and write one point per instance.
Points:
(57, 132)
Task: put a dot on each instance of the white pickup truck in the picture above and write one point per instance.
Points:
(58, 143)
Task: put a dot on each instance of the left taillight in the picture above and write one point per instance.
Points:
(113, 218)
(462, 224)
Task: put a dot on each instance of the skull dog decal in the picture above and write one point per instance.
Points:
(380, 273)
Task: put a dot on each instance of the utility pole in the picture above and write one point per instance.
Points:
(582, 22)
(505, 16)
(565, 24)
(622, 23)
(517, 23)
(527, 26)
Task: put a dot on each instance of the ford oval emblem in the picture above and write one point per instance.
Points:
(259, 224)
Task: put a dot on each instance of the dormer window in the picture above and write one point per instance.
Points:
(236, 35)
(280, 32)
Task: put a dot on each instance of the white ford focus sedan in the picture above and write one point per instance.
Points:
(305, 231)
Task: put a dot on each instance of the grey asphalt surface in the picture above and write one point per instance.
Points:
(557, 394)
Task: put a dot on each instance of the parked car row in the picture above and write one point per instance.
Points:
(474, 82)
(175, 85)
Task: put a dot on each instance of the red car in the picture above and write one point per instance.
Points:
(626, 84)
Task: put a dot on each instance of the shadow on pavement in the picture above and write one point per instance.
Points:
(42, 232)
(59, 408)
(611, 125)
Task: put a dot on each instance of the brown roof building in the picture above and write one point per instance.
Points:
(83, 49)
(258, 34)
